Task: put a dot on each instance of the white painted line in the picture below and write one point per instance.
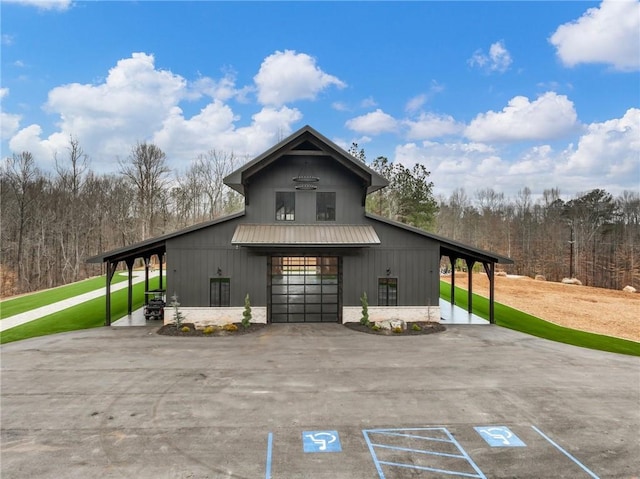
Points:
(584, 468)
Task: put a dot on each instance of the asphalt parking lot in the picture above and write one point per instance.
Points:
(316, 401)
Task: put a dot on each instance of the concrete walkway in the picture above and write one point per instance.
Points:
(27, 316)
(450, 314)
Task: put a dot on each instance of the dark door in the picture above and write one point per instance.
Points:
(304, 289)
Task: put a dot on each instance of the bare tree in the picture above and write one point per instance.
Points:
(147, 170)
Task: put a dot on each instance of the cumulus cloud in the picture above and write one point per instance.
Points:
(430, 125)
(550, 116)
(609, 148)
(138, 102)
(60, 5)
(497, 60)
(607, 34)
(288, 76)
(373, 123)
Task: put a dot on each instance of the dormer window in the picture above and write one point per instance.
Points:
(325, 206)
(285, 205)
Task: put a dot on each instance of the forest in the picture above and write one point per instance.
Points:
(52, 221)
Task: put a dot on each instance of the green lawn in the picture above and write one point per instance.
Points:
(90, 314)
(513, 319)
(35, 300)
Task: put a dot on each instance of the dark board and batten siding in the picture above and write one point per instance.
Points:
(196, 258)
(412, 258)
(279, 177)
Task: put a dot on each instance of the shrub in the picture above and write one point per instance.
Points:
(375, 327)
(365, 309)
(246, 314)
(397, 330)
(185, 329)
(209, 329)
(416, 327)
(230, 327)
(177, 315)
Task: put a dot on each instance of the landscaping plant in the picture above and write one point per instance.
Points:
(177, 314)
(364, 320)
(246, 314)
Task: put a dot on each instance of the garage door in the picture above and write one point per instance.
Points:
(304, 289)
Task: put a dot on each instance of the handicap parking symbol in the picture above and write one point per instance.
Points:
(499, 436)
(321, 441)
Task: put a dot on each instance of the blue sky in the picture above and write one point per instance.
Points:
(504, 95)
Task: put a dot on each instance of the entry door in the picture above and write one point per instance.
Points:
(304, 289)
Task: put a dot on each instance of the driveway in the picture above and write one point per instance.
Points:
(316, 401)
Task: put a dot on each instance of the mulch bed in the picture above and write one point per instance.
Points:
(425, 328)
(171, 330)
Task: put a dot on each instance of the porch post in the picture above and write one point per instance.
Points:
(130, 286)
(489, 268)
(453, 259)
(146, 278)
(160, 255)
(470, 264)
(111, 269)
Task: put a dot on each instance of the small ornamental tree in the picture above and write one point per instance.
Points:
(365, 309)
(177, 314)
(246, 314)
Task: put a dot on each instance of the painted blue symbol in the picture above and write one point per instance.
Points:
(499, 436)
(321, 441)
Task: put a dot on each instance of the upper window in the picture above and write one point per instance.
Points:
(285, 205)
(325, 206)
(387, 291)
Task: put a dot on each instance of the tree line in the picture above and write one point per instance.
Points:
(53, 221)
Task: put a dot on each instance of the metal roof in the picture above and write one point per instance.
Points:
(448, 246)
(303, 235)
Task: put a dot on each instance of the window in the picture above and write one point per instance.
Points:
(325, 206)
(285, 205)
(220, 292)
(387, 291)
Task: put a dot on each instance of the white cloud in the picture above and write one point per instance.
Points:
(288, 76)
(9, 124)
(430, 125)
(497, 60)
(607, 156)
(60, 5)
(339, 106)
(7, 39)
(549, 116)
(368, 103)
(608, 34)
(610, 148)
(415, 103)
(373, 123)
(137, 102)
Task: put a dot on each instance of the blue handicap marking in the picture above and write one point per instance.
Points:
(499, 436)
(321, 441)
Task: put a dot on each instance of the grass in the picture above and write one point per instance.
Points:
(511, 318)
(90, 314)
(35, 300)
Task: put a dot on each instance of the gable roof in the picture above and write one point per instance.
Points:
(157, 245)
(305, 141)
(449, 247)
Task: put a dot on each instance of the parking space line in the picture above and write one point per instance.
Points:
(269, 450)
(584, 468)
(431, 438)
(406, 449)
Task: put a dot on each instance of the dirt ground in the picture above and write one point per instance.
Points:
(596, 310)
